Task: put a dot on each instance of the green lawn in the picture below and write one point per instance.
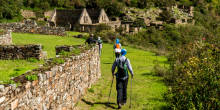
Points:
(147, 90)
(12, 68)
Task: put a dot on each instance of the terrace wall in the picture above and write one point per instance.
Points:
(21, 52)
(6, 38)
(57, 88)
(33, 28)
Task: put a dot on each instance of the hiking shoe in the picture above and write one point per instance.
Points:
(123, 103)
(119, 106)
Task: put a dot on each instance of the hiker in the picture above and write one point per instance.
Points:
(91, 39)
(100, 45)
(123, 65)
(117, 48)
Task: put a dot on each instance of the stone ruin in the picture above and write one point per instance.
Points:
(9, 52)
(30, 26)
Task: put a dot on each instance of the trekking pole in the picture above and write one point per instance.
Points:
(130, 93)
(110, 90)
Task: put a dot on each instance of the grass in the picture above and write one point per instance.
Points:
(49, 42)
(147, 90)
(13, 68)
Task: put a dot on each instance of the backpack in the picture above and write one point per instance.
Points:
(117, 46)
(122, 70)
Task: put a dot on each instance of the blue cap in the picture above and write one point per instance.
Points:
(117, 41)
(123, 52)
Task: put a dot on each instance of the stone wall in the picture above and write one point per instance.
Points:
(28, 14)
(33, 28)
(58, 88)
(6, 38)
(21, 52)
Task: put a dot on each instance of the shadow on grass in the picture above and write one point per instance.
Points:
(107, 63)
(149, 74)
(107, 104)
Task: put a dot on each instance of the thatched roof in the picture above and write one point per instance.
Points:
(94, 14)
(68, 16)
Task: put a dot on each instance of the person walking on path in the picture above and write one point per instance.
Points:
(100, 45)
(123, 65)
(117, 48)
(91, 39)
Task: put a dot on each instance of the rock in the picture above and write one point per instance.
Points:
(2, 88)
(2, 99)
(14, 104)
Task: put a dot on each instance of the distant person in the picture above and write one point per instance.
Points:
(91, 39)
(100, 45)
(117, 48)
(123, 65)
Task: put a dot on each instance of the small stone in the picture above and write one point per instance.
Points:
(2, 99)
(14, 104)
(28, 85)
(13, 86)
(2, 88)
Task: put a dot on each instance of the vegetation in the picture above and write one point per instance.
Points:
(147, 88)
(194, 77)
(2, 31)
(31, 77)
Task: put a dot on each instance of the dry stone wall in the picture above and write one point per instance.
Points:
(21, 52)
(6, 39)
(57, 88)
(33, 28)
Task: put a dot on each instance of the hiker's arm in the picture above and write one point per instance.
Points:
(113, 68)
(130, 67)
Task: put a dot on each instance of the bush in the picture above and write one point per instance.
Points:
(159, 71)
(194, 77)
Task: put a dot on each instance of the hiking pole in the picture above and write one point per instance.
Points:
(110, 90)
(130, 93)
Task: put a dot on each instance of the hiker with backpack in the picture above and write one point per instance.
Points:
(99, 41)
(117, 48)
(91, 40)
(123, 65)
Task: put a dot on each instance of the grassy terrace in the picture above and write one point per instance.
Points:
(12, 68)
(147, 90)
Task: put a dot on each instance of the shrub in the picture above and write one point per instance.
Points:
(159, 71)
(194, 77)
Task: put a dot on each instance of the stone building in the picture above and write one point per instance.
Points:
(85, 20)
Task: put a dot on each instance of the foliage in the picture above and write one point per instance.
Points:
(33, 60)
(194, 77)
(101, 27)
(31, 77)
(2, 31)
(57, 61)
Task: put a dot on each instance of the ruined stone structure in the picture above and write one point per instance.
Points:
(6, 38)
(182, 14)
(28, 14)
(85, 20)
(21, 52)
(58, 88)
(31, 27)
